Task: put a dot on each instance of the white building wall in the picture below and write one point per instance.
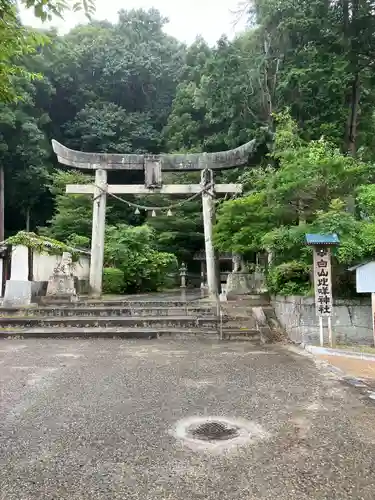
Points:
(44, 264)
(19, 270)
(82, 268)
(365, 277)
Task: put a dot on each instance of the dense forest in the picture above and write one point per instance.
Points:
(300, 80)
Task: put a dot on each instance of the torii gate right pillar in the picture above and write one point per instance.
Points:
(98, 231)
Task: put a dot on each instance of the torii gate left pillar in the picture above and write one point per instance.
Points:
(98, 232)
(152, 167)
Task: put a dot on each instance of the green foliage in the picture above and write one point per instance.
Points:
(24, 151)
(78, 241)
(241, 224)
(299, 81)
(318, 53)
(287, 242)
(133, 250)
(349, 229)
(46, 9)
(366, 200)
(16, 42)
(215, 108)
(113, 281)
(120, 101)
(310, 189)
(289, 278)
(106, 127)
(41, 244)
(73, 214)
(181, 233)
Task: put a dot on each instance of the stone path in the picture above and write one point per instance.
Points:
(102, 419)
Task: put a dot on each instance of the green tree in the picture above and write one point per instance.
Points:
(181, 232)
(106, 127)
(114, 83)
(17, 41)
(320, 53)
(113, 86)
(24, 156)
(220, 104)
(307, 189)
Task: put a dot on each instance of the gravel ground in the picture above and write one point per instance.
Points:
(102, 419)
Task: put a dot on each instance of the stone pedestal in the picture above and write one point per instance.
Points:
(17, 293)
(18, 288)
(61, 283)
(238, 284)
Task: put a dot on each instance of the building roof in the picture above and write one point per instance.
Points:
(202, 256)
(322, 239)
(41, 243)
(354, 268)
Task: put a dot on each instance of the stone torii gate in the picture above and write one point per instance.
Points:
(153, 166)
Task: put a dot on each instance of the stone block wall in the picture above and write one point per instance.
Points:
(351, 321)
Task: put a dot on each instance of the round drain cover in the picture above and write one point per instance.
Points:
(213, 431)
(215, 434)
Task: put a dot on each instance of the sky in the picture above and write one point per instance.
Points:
(187, 18)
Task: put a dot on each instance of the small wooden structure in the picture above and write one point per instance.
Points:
(322, 244)
(223, 258)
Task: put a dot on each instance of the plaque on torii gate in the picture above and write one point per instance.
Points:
(152, 166)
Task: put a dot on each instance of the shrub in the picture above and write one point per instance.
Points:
(113, 280)
(132, 249)
(289, 278)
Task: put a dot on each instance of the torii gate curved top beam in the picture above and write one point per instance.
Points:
(168, 162)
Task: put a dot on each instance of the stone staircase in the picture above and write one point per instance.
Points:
(109, 318)
(251, 316)
(239, 322)
(134, 317)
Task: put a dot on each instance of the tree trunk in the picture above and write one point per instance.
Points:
(267, 81)
(351, 134)
(28, 217)
(2, 193)
(351, 33)
(345, 16)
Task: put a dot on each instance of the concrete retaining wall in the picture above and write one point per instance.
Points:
(351, 321)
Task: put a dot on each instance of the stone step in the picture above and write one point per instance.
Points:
(250, 300)
(250, 334)
(44, 302)
(119, 332)
(105, 311)
(239, 322)
(92, 321)
(108, 332)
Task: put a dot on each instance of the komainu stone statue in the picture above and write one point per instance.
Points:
(238, 263)
(61, 283)
(239, 280)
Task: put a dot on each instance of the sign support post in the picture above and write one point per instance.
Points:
(322, 244)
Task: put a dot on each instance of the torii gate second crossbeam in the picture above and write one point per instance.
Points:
(153, 167)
